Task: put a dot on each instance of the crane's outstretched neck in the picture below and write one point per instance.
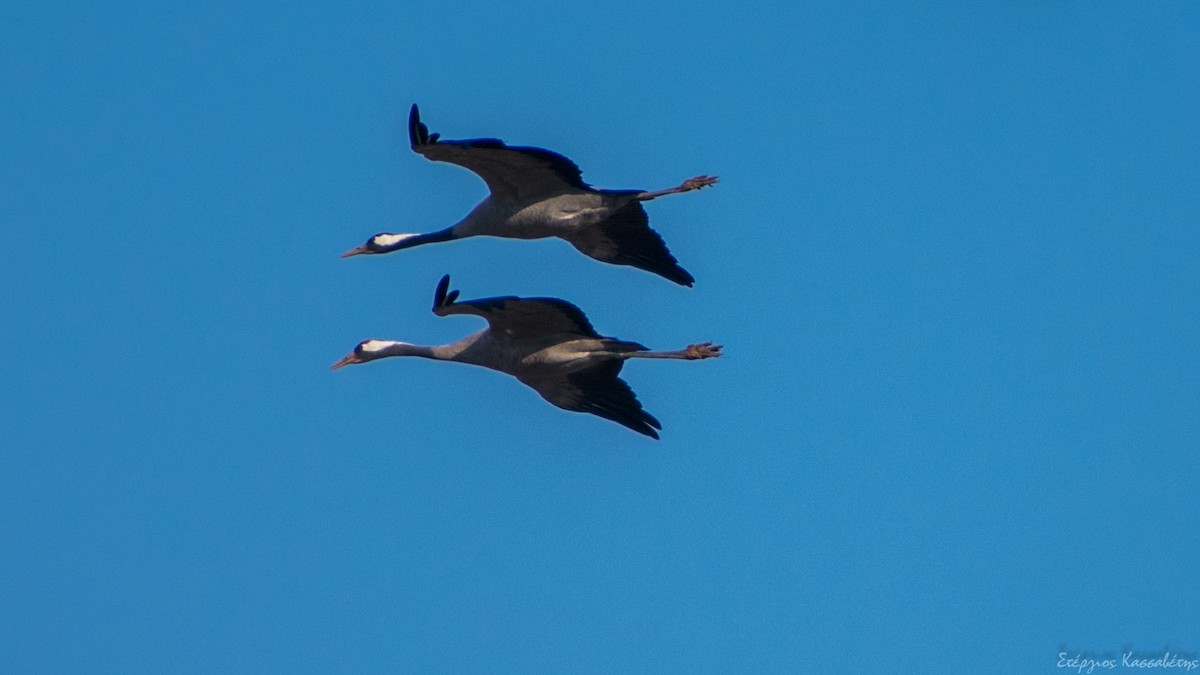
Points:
(379, 349)
(386, 243)
(371, 350)
(449, 352)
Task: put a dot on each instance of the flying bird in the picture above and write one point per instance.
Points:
(536, 193)
(549, 345)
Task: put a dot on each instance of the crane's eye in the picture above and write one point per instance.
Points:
(358, 348)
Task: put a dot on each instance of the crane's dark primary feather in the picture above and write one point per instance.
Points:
(513, 159)
(442, 298)
(418, 133)
(625, 238)
(605, 395)
(491, 158)
(532, 316)
(518, 316)
(439, 293)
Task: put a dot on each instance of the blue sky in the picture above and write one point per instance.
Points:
(953, 259)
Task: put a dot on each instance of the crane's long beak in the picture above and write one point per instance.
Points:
(357, 250)
(346, 360)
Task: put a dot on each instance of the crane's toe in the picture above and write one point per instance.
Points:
(699, 182)
(703, 350)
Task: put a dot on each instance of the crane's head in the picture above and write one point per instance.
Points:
(383, 242)
(367, 350)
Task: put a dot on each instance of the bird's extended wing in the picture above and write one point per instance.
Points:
(515, 317)
(625, 238)
(511, 172)
(598, 391)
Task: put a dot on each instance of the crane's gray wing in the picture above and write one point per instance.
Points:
(514, 317)
(597, 391)
(511, 172)
(625, 238)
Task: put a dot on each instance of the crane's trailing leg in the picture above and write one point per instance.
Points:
(703, 350)
(686, 186)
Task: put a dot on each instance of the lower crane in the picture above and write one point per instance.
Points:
(549, 345)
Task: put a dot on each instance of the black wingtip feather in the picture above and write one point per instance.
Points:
(677, 274)
(439, 294)
(608, 396)
(643, 423)
(418, 133)
(636, 244)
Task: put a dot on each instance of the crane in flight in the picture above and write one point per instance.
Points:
(535, 193)
(549, 345)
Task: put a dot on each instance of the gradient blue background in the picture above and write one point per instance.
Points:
(953, 258)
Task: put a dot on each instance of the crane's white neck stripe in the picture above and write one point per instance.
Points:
(391, 239)
(377, 345)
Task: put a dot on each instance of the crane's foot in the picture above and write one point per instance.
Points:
(686, 186)
(704, 350)
(697, 183)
